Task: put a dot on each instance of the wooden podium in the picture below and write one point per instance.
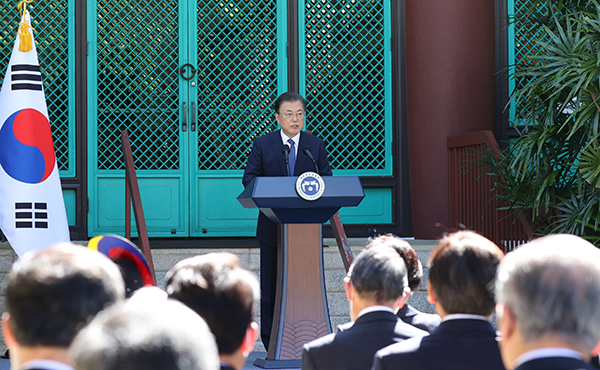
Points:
(301, 312)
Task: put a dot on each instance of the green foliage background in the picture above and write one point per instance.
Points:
(552, 171)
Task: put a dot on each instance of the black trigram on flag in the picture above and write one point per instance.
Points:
(31, 215)
(25, 77)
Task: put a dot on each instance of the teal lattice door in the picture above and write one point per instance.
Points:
(194, 85)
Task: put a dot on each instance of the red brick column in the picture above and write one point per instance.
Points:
(450, 91)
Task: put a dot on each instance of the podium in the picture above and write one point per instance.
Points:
(301, 312)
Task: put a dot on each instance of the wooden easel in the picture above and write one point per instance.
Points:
(132, 195)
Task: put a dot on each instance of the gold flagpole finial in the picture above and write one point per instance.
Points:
(24, 33)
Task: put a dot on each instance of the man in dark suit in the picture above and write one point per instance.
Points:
(407, 313)
(50, 296)
(461, 268)
(375, 285)
(217, 288)
(268, 158)
(548, 304)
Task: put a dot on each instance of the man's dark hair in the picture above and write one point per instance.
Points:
(289, 96)
(414, 268)
(53, 293)
(164, 336)
(219, 290)
(378, 274)
(462, 269)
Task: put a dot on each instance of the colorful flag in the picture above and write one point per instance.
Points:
(32, 210)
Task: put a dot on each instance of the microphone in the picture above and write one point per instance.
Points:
(286, 155)
(307, 151)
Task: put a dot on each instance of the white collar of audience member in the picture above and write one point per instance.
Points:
(462, 316)
(45, 364)
(534, 354)
(373, 309)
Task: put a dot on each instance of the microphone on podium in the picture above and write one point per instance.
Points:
(307, 151)
(286, 155)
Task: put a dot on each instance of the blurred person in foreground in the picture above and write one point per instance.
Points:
(216, 287)
(164, 336)
(549, 304)
(462, 269)
(50, 295)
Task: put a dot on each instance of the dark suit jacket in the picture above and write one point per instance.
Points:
(354, 347)
(554, 363)
(455, 345)
(225, 366)
(424, 321)
(266, 159)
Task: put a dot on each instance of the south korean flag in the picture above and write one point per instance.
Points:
(32, 210)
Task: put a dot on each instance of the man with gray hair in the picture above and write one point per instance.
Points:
(376, 284)
(548, 295)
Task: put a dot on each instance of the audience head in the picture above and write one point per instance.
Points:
(414, 268)
(291, 97)
(165, 336)
(548, 292)
(216, 287)
(462, 269)
(377, 277)
(51, 294)
(132, 263)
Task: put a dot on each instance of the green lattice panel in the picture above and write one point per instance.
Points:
(50, 19)
(345, 80)
(237, 66)
(526, 36)
(138, 83)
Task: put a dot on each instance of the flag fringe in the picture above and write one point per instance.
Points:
(26, 39)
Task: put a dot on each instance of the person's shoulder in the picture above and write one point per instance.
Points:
(268, 137)
(409, 330)
(320, 342)
(426, 321)
(310, 137)
(404, 348)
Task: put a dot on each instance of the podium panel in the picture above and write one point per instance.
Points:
(301, 312)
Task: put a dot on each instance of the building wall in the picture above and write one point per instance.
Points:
(450, 60)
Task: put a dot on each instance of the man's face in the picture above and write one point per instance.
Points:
(291, 117)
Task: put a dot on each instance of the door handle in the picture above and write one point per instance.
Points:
(184, 119)
(193, 117)
(184, 69)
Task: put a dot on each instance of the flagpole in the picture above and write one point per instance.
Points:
(32, 209)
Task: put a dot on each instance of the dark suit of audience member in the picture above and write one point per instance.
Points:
(216, 287)
(50, 296)
(414, 267)
(376, 284)
(424, 321)
(548, 294)
(267, 159)
(461, 268)
(164, 335)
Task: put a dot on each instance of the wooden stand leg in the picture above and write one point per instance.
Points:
(301, 313)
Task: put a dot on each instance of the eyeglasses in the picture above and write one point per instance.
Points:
(290, 115)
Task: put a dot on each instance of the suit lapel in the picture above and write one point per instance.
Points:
(276, 146)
